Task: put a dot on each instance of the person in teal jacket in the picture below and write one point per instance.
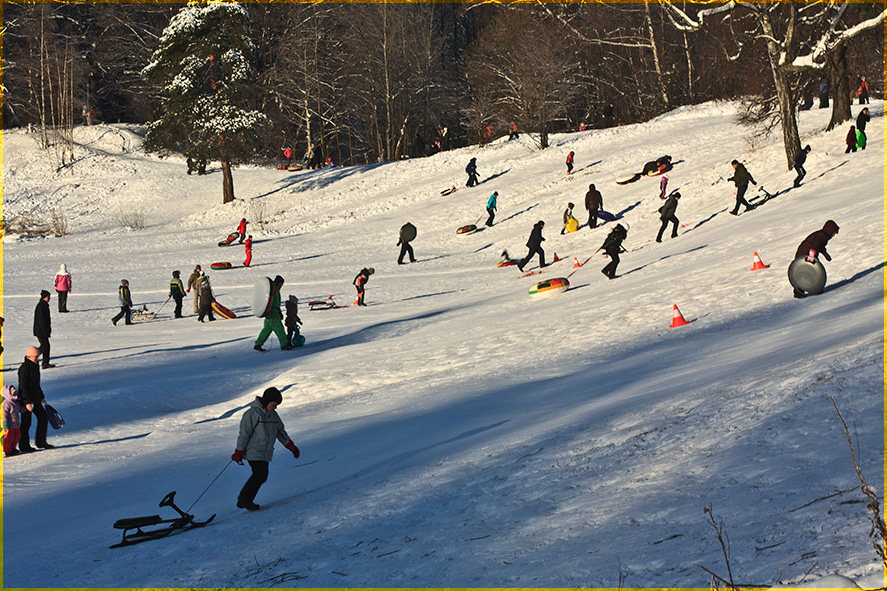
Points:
(259, 428)
(274, 320)
(491, 208)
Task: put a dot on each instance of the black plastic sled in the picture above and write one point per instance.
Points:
(165, 527)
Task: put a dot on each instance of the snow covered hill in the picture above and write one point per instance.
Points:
(457, 432)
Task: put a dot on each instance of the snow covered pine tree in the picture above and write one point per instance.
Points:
(202, 67)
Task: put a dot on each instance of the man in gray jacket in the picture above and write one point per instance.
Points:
(259, 427)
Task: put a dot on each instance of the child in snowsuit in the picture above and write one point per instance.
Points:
(11, 421)
(63, 287)
(292, 321)
(259, 427)
(248, 246)
(360, 283)
(851, 140)
(613, 246)
(570, 162)
(535, 245)
(205, 294)
(568, 215)
(274, 320)
(491, 208)
(666, 214)
(177, 292)
(471, 170)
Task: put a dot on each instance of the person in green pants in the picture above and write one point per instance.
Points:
(274, 320)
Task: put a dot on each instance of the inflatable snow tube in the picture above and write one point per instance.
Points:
(261, 297)
(548, 288)
(224, 265)
(221, 311)
(229, 239)
(469, 229)
(573, 225)
(806, 276)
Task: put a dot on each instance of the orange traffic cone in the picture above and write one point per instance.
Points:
(758, 264)
(576, 263)
(556, 259)
(678, 319)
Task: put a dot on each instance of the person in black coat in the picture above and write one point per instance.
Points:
(593, 202)
(741, 178)
(613, 246)
(31, 396)
(177, 292)
(666, 214)
(535, 246)
(861, 121)
(471, 170)
(800, 159)
(43, 327)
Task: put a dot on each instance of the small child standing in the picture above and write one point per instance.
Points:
(851, 140)
(292, 322)
(570, 162)
(11, 421)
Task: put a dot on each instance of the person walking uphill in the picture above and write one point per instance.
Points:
(594, 201)
(274, 320)
(666, 214)
(43, 327)
(360, 283)
(177, 292)
(570, 162)
(124, 298)
(192, 284)
(741, 177)
(851, 140)
(31, 398)
(491, 208)
(260, 426)
(63, 287)
(861, 120)
(241, 229)
(613, 247)
(248, 246)
(205, 295)
(407, 235)
(471, 170)
(535, 245)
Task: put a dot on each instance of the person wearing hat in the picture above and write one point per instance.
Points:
(205, 297)
(63, 287)
(192, 282)
(274, 320)
(535, 245)
(593, 202)
(666, 214)
(568, 215)
(177, 292)
(360, 283)
(741, 178)
(816, 242)
(800, 159)
(124, 298)
(292, 322)
(259, 427)
(613, 247)
(491, 208)
(43, 327)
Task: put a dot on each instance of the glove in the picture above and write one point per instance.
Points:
(292, 447)
(237, 456)
(188, 290)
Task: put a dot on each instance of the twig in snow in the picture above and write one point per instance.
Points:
(834, 494)
(530, 454)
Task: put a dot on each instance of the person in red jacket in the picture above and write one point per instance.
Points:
(241, 229)
(570, 162)
(248, 245)
(816, 242)
(851, 140)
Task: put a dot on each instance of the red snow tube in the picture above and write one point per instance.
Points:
(224, 265)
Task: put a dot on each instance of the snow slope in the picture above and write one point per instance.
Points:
(456, 432)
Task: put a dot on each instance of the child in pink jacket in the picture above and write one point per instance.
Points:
(11, 421)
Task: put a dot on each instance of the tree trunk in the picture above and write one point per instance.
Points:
(839, 80)
(655, 50)
(790, 136)
(227, 182)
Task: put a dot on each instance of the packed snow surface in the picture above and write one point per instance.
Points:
(456, 432)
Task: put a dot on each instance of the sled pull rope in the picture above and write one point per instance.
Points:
(207, 488)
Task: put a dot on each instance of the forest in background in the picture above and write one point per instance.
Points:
(365, 80)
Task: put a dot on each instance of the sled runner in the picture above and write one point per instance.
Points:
(165, 526)
(449, 191)
(229, 239)
(763, 198)
(143, 314)
(327, 304)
